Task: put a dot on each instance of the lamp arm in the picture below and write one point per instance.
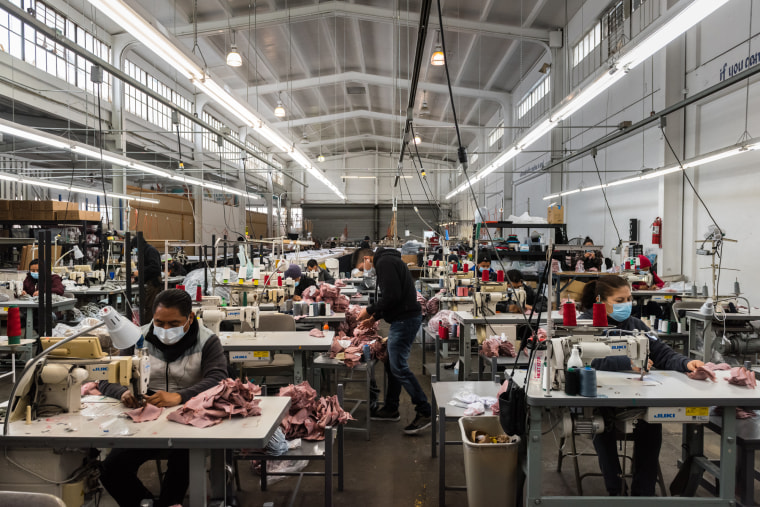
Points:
(33, 362)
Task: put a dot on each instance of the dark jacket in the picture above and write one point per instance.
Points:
(152, 262)
(177, 368)
(398, 297)
(597, 262)
(325, 276)
(303, 283)
(30, 285)
(663, 357)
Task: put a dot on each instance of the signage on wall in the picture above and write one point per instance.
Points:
(533, 168)
(730, 70)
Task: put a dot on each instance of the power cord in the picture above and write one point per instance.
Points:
(604, 193)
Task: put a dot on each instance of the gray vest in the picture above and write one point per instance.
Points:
(181, 373)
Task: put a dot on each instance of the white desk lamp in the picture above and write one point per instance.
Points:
(123, 333)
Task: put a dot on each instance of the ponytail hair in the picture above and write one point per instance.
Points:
(602, 287)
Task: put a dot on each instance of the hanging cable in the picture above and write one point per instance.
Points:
(604, 193)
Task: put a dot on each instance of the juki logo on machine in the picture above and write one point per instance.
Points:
(665, 416)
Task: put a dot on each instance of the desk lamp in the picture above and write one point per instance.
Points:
(123, 333)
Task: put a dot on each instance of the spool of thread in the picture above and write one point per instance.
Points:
(430, 263)
(627, 264)
(588, 382)
(466, 268)
(486, 275)
(600, 315)
(28, 414)
(198, 293)
(328, 309)
(500, 276)
(572, 382)
(279, 281)
(454, 268)
(568, 315)
(245, 299)
(693, 289)
(297, 310)
(322, 309)
(14, 325)
(179, 286)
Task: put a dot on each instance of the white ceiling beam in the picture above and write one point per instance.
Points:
(443, 148)
(376, 80)
(368, 13)
(370, 115)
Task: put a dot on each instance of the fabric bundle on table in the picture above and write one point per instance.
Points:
(147, 412)
(741, 376)
(308, 416)
(212, 406)
(494, 346)
(316, 333)
(706, 371)
(326, 293)
(356, 337)
(445, 317)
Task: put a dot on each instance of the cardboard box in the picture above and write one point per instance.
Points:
(555, 214)
(93, 216)
(31, 252)
(409, 259)
(54, 206)
(5, 205)
(573, 291)
(41, 215)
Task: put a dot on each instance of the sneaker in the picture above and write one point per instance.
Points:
(385, 414)
(420, 423)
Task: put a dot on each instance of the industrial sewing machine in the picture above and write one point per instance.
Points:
(212, 317)
(498, 297)
(638, 277)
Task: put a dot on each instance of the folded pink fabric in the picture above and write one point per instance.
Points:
(495, 347)
(741, 376)
(716, 367)
(308, 416)
(90, 388)
(212, 406)
(316, 333)
(702, 373)
(147, 412)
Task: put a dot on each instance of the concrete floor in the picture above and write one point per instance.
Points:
(393, 468)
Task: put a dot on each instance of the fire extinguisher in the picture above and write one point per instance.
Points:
(657, 232)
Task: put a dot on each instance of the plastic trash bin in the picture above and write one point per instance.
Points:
(490, 469)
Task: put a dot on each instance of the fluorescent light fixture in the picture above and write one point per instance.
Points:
(639, 51)
(657, 173)
(29, 134)
(79, 190)
(233, 57)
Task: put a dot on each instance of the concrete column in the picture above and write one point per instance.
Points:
(117, 141)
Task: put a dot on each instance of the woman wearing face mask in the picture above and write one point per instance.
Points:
(32, 279)
(185, 360)
(484, 264)
(615, 293)
(301, 282)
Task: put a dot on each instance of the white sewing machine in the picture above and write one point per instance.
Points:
(634, 346)
(638, 277)
(491, 294)
(212, 317)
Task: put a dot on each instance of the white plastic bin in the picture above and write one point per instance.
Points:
(490, 469)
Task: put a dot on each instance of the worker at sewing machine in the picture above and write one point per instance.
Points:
(32, 279)
(615, 293)
(363, 263)
(646, 265)
(516, 281)
(301, 282)
(185, 360)
(484, 264)
(324, 275)
(592, 260)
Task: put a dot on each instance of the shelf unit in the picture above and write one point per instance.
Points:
(85, 227)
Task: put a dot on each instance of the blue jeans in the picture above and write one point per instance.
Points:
(400, 340)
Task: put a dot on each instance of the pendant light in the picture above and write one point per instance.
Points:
(437, 58)
(321, 158)
(233, 57)
(279, 111)
(424, 109)
(417, 139)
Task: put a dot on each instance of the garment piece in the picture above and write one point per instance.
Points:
(308, 416)
(495, 347)
(148, 412)
(357, 337)
(741, 376)
(715, 367)
(702, 373)
(316, 333)
(304, 283)
(90, 388)
(228, 398)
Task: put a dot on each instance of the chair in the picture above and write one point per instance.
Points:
(309, 451)
(574, 455)
(324, 362)
(279, 364)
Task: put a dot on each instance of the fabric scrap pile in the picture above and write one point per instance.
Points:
(496, 346)
(430, 306)
(327, 293)
(352, 338)
(444, 317)
(308, 416)
(738, 376)
(212, 406)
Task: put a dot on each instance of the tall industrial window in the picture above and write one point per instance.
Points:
(296, 218)
(533, 97)
(227, 150)
(613, 27)
(496, 135)
(587, 44)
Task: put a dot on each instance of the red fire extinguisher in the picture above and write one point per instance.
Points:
(657, 232)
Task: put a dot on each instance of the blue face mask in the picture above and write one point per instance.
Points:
(35, 275)
(621, 311)
(296, 284)
(483, 269)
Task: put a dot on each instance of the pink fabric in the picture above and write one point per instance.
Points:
(90, 388)
(741, 376)
(702, 373)
(741, 413)
(145, 413)
(212, 406)
(716, 367)
(445, 317)
(495, 347)
(423, 303)
(308, 416)
(358, 337)
(316, 333)
(340, 283)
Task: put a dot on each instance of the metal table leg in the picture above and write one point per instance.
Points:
(298, 362)
(728, 454)
(534, 457)
(442, 457)
(197, 488)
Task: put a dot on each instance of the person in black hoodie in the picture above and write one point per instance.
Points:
(615, 293)
(399, 307)
(151, 275)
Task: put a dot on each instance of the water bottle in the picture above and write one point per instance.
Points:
(146, 502)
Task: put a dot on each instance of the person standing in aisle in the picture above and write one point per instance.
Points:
(399, 307)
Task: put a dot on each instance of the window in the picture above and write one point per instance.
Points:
(587, 44)
(613, 24)
(227, 150)
(150, 109)
(496, 135)
(93, 206)
(296, 218)
(533, 97)
(635, 4)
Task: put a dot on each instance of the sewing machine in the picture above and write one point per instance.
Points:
(57, 379)
(635, 346)
(638, 277)
(212, 317)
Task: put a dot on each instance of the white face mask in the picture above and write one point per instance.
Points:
(169, 336)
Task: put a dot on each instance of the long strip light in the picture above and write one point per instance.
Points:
(713, 156)
(44, 138)
(16, 178)
(657, 39)
(164, 48)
